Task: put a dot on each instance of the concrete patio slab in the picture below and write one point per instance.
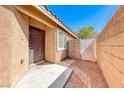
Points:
(42, 76)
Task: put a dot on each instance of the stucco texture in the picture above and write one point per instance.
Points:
(14, 45)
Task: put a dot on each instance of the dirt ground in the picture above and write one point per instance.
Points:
(85, 74)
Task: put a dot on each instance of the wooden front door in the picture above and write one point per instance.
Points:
(36, 44)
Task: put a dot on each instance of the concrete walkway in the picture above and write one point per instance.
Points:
(41, 76)
(85, 74)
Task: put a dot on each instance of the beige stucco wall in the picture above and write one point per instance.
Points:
(110, 50)
(51, 54)
(14, 45)
(61, 54)
(5, 53)
(50, 45)
(50, 28)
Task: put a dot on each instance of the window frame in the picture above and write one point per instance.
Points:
(57, 40)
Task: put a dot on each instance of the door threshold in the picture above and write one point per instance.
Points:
(37, 63)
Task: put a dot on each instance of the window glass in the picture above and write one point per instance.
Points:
(61, 40)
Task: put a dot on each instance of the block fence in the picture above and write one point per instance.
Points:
(110, 50)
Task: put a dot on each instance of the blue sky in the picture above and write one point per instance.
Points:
(75, 16)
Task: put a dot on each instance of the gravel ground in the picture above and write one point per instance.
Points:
(85, 74)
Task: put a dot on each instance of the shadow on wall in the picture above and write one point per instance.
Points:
(20, 19)
(61, 54)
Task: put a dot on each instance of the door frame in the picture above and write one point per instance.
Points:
(35, 63)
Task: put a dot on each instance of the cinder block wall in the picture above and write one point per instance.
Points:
(110, 50)
(74, 48)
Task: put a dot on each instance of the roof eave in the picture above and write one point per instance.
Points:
(57, 22)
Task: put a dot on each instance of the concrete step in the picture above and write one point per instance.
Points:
(62, 79)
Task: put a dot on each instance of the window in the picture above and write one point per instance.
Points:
(61, 40)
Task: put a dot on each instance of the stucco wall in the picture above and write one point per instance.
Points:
(51, 54)
(50, 45)
(110, 50)
(5, 53)
(63, 53)
(14, 45)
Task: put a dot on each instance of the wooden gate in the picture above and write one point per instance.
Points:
(82, 49)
